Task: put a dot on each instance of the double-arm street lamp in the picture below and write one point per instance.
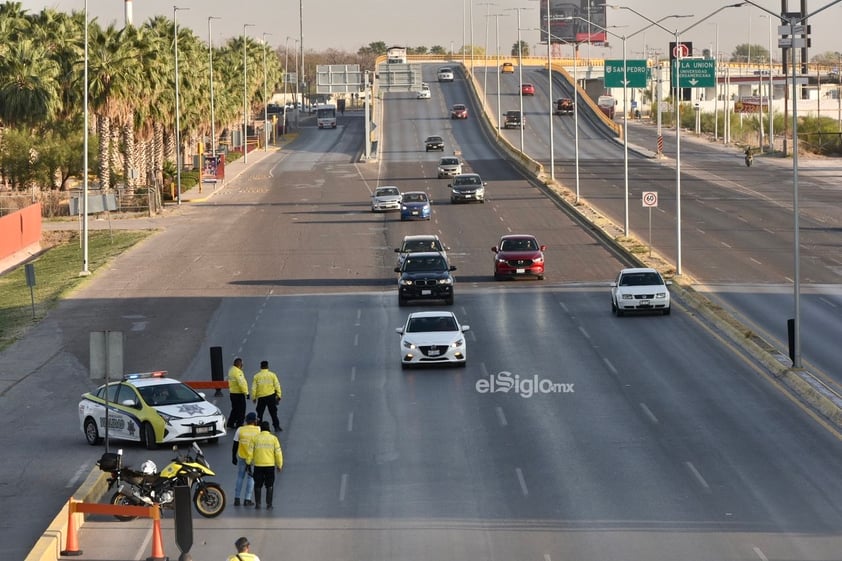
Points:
(677, 83)
(245, 96)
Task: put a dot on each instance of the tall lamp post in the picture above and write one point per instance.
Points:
(175, 10)
(497, 52)
(85, 271)
(485, 72)
(519, 66)
(676, 35)
(265, 100)
(245, 96)
(210, 64)
(623, 38)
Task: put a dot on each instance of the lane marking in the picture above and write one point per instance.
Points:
(725, 244)
(757, 551)
(353, 373)
(826, 302)
(77, 476)
(522, 482)
(357, 340)
(351, 421)
(698, 476)
(359, 315)
(564, 307)
(501, 417)
(343, 485)
(649, 414)
(610, 366)
(584, 332)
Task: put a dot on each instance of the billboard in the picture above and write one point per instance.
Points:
(564, 30)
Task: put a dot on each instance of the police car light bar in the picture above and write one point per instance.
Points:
(139, 375)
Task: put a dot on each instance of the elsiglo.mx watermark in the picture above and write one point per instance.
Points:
(527, 386)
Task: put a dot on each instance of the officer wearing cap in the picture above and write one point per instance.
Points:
(239, 450)
(265, 456)
(243, 553)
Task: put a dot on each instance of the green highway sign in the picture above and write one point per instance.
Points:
(636, 73)
(695, 73)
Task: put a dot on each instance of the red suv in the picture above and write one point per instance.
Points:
(518, 255)
(459, 111)
(527, 89)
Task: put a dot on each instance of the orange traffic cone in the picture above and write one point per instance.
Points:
(72, 543)
(157, 543)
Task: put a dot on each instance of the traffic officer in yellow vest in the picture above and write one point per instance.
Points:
(243, 551)
(266, 392)
(238, 391)
(265, 456)
(239, 450)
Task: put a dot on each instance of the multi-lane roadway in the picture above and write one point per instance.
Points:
(659, 441)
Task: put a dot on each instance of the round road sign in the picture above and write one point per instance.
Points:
(680, 51)
(650, 199)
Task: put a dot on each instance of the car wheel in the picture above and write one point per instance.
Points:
(667, 311)
(463, 364)
(613, 307)
(91, 432)
(404, 366)
(620, 312)
(497, 277)
(147, 436)
(540, 277)
(452, 200)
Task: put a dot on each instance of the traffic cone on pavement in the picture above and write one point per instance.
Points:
(72, 543)
(157, 543)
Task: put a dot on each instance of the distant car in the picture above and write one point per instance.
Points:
(518, 255)
(424, 94)
(387, 197)
(640, 289)
(433, 338)
(449, 166)
(419, 243)
(415, 205)
(564, 106)
(507, 68)
(466, 188)
(527, 89)
(425, 276)
(149, 408)
(445, 74)
(459, 111)
(512, 120)
(434, 143)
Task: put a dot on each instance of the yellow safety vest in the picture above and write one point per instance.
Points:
(244, 557)
(265, 383)
(245, 434)
(265, 451)
(237, 381)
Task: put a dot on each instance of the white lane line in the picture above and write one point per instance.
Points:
(755, 260)
(700, 231)
(547, 557)
(77, 476)
(610, 366)
(725, 244)
(741, 219)
(357, 340)
(564, 307)
(768, 230)
(501, 417)
(343, 485)
(353, 373)
(359, 315)
(649, 414)
(351, 421)
(698, 476)
(827, 302)
(484, 370)
(757, 551)
(522, 482)
(583, 332)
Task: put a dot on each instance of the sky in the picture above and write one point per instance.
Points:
(347, 25)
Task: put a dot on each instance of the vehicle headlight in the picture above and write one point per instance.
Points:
(406, 282)
(539, 259)
(403, 207)
(448, 280)
(627, 296)
(408, 345)
(661, 295)
(458, 343)
(166, 417)
(501, 260)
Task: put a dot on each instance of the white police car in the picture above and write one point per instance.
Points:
(149, 408)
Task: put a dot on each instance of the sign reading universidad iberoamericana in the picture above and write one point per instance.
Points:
(636, 74)
(695, 73)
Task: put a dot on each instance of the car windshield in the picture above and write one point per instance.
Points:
(414, 198)
(168, 394)
(449, 162)
(427, 324)
(387, 191)
(518, 245)
(434, 139)
(640, 279)
(469, 180)
(415, 246)
(458, 107)
(427, 263)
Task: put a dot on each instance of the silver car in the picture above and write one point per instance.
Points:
(420, 243)
(449, 166)
(386, 198)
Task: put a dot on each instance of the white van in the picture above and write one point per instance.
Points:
(445, 74)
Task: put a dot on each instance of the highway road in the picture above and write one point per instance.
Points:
(737, 222)
(661, 443)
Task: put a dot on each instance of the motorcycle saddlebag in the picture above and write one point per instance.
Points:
(109, 461)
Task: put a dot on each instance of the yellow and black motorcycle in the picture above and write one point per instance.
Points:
(146, 486)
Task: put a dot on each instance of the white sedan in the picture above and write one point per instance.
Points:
(385, 198)
(433, 338)
(424, 93)
(640, 289)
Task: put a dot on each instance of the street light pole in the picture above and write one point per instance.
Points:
(245, 96)
(210, 64)
(485, 73)
(175, 10)
(85, 271)
(265, 100)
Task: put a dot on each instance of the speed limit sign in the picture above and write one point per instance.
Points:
(650, 199)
